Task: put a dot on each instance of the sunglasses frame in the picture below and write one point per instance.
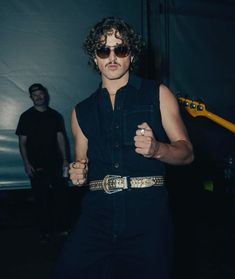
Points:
(107, 50)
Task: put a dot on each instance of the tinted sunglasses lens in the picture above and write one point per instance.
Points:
(103, 52)
(122, 51)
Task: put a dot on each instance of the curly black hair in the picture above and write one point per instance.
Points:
(126, 33)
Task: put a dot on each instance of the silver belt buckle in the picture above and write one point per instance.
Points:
(107, 183)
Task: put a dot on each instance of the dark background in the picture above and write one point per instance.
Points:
(190, 47)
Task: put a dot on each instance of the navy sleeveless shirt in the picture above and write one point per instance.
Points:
(110, 132)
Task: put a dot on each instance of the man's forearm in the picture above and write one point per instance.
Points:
(175, 153)
(23, 152)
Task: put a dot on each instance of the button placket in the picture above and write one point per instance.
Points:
(116, 150)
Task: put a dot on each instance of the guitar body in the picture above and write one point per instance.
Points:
(195, 109)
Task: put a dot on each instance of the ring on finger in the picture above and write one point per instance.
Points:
(142, 131)
(74, 165)
(78, 183)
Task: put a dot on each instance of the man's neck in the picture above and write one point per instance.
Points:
(112, 85)
(41, 108)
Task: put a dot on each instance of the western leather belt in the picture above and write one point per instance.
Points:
(115, 183)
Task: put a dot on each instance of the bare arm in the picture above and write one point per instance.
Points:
(78, 169)
(29, 169)
(179, 151)
(80, 141)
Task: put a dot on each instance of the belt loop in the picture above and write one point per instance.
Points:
(128, 180)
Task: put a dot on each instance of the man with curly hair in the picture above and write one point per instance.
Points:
(124, 230)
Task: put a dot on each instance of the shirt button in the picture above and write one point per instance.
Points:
(117, 145)
(116, 165)
(117, 126)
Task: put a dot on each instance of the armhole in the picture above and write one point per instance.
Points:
(82, 118)
(157, 96)
(154, 90)
(156, 101)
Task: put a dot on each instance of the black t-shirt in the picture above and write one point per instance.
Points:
(41, 129)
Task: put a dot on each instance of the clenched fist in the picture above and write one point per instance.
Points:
(78, 172)
(145, 142)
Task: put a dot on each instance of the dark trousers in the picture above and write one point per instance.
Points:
(50, 192)
(123, 235)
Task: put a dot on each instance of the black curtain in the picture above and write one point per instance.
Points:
(190, 47)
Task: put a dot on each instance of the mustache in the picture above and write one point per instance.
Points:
(112, 63)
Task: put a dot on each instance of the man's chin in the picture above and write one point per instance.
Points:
(115, 76)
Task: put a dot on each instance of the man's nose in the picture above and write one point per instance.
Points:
(112, 55)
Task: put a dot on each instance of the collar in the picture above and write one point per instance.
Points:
(135, 81)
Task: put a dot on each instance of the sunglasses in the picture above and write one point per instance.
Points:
(120, 51)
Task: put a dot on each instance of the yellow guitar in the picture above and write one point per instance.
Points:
(195, 109)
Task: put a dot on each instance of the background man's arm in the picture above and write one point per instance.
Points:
(63, 147)
(29, 169)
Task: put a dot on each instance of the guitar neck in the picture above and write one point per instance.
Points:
(221, 121)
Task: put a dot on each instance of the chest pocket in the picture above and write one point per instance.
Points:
(132, 118)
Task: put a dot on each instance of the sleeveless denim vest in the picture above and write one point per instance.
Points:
(110, 132)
